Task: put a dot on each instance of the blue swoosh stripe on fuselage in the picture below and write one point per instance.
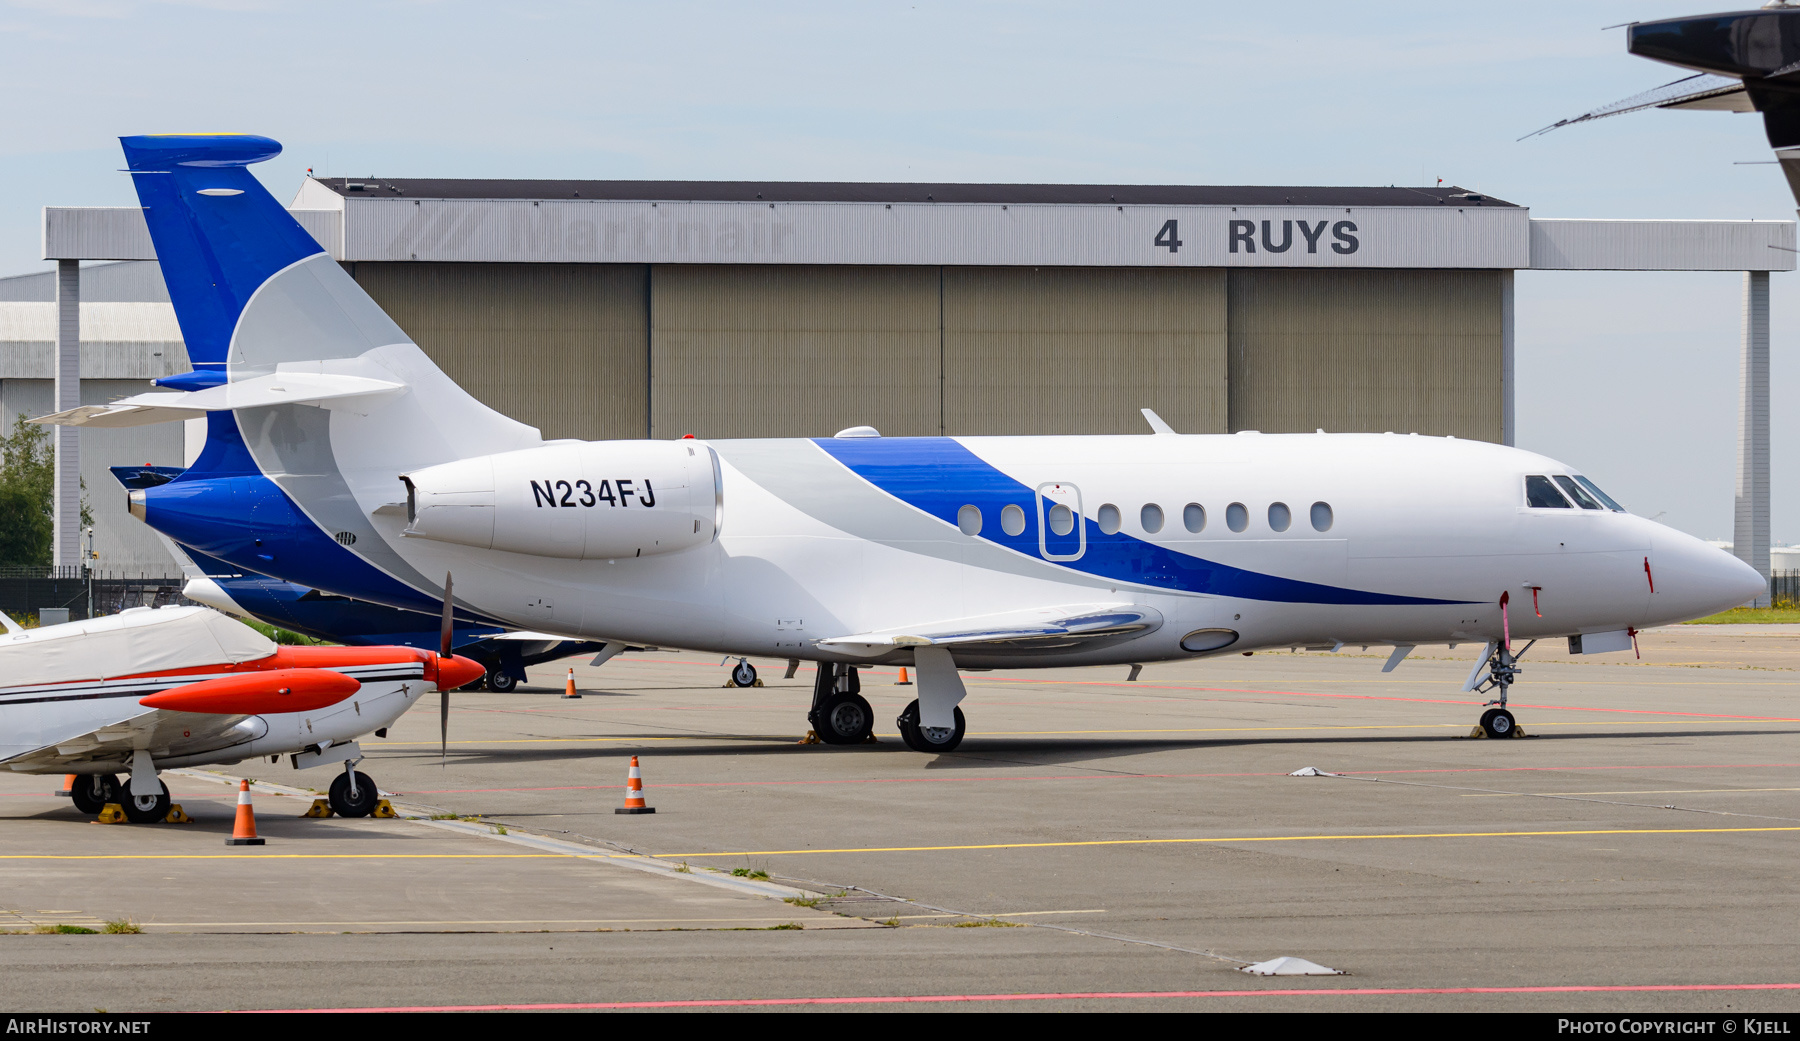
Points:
(940, 476)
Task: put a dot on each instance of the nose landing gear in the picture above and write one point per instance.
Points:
(1503, 670)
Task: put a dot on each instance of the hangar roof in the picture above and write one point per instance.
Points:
(876, 191)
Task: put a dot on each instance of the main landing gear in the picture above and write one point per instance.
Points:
(1503, 670)
(930, 739)
(839, 715)
(92, 792)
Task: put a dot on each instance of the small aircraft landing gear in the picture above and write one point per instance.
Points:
(91, 792)
(353, 794)
(743, 674)
(840, 715)
(145, 809)
(929, 739)
(1502, 672)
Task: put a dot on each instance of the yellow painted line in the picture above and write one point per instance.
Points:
(1240, 838)
(1653, 791)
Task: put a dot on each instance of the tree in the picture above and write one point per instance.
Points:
(27, 491)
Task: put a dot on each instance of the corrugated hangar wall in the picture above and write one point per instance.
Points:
(558, 346)
(595, 351)
(1407, 351)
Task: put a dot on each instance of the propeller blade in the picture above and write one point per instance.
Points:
(444, 728)
(444, 632)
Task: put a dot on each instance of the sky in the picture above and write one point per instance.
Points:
(1629, 377)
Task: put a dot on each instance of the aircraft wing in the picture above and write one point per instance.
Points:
(1021, 632)
(163, 733)
(1702, 91)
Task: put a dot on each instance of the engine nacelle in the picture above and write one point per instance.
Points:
(592, 501)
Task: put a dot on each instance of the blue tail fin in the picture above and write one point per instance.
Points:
(218, 232)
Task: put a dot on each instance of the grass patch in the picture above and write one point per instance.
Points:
(1783, 613)
(786, 925)
(684, 869)
(756, 873)
(983, 923)
(499, 829)
(123, 926)
(64, 930)
(283, 636)
(803, 901)
(893, 922)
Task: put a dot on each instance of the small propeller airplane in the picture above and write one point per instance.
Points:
(152, 688)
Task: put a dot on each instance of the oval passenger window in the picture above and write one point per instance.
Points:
(1109, 519)
(1062, 519)
(1012, 520)
(968, 519)
(1280, 516)
(1151, 517)
(1321, 516)
(1236, 517)
(1194, 517)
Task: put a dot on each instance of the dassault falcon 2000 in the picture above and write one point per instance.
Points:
(339, 457)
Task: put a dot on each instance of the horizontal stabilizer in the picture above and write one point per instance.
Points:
(325, 389)
(1043, 629)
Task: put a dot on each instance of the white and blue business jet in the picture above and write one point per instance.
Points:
(339, 457)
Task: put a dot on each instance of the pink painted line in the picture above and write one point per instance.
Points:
(1101, 995)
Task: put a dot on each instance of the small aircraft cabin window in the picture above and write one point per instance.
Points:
(968, 519)
(1321, 516)
(1151, 517)
(1062, 519)
(1578, 493)
(1598, 494)
(1236, 517)
(1012, 520)
(1280, 517)
(1109, 519)
(1193, 518)
(1541, 494)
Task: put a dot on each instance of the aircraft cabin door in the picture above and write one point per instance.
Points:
(1061, 533)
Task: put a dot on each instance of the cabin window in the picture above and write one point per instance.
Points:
(1193, 517)
(1109, 519)
(1611, 504)
(1321, 516)
(1236, 517)
(1062, 519)
(1578, 493)
(968, 520)
(1540, 493)
(1280, 517)
(1012, 520)
(1151, 517)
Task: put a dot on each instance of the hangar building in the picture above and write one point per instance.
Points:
(613, 309)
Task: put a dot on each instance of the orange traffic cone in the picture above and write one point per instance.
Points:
(68, 788)
(569, 689)
(634, 791)
(904, 680)
(243, 832)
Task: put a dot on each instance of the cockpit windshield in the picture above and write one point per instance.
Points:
(1598, 494)
(1541, 494)
(1578, 493)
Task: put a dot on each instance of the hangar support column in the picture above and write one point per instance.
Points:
(65, 535)
(1750, 533)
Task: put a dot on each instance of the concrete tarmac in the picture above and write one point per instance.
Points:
(1091, 836)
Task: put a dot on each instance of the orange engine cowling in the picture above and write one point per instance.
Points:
(258, 693)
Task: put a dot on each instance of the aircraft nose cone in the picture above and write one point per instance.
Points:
(1694, 579)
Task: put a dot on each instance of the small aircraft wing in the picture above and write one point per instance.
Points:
(1022, 632)
(163, 733)
(1703, 91)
